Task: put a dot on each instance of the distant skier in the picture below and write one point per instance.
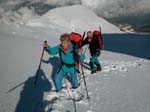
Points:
(95, 45)
(66, 53)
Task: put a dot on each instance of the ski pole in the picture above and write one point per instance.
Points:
(83, 35)
(82, 40)
(100, 29)
(85, 49)
(84, 82)
(72, 98)
(35, 81)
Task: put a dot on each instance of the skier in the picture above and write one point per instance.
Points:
(66, 53)
(95, 47)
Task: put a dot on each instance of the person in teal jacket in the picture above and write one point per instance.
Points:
(67, 56)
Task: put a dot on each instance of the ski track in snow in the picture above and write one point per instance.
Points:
(121, 66)
(109, 67)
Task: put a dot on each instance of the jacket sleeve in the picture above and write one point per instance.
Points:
(53, 50)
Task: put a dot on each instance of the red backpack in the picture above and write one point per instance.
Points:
(76, 39)
(97, 34)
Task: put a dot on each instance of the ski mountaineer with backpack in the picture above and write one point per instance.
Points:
(76, 40)
(67, 54)
(95, 42)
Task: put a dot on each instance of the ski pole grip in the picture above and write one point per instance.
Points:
(45, 41)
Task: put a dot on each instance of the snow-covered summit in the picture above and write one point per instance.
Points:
(77, 18)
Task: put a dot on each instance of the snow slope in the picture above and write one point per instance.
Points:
(74, 18)
(122, 86)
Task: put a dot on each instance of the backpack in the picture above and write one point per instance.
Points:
(97, 35)
(76, 40)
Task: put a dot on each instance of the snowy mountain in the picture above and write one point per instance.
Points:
(77, 18)
(123, 84)
(115, 11)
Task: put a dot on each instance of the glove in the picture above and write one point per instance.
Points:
(45, 45)
(98, 50)
(98, 53)
(79, 52)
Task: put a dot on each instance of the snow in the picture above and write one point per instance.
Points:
(69, 17)
(122, 86)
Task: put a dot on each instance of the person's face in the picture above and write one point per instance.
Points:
(65, 44)
(90, 36)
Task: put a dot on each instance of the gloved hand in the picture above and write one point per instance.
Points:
(98, 50)
(45, 45)
(79, 52)
(98, 53)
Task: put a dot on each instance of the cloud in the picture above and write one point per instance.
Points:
(110, 8)
(63, 2)
(105, 8)
(113, 8)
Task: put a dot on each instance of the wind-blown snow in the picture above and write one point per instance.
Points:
(123, 84)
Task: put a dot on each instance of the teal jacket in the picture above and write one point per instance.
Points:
(67, 58)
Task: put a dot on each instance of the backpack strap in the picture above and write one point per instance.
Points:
(62, 62)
